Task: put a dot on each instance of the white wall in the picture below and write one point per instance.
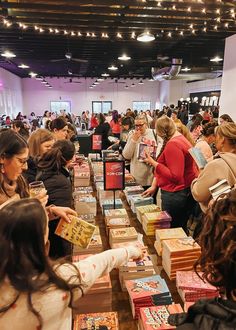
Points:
(228, 95)
(11, 99)
(37, 97)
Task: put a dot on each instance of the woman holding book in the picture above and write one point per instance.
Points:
(53, 171)
(37, 293)
(174, 172)
(217, 264)
(222, 167)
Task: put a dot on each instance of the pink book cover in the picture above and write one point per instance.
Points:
(143, 264)
(156, 317)
(191, 281)
(123, 233)
(180, 245)
(91, 321)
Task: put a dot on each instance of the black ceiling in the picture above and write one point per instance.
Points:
(203, 34)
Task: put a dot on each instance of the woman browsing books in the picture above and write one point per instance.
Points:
(34, 288)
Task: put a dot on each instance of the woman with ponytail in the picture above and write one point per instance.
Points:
(174, 172)
(53, 171)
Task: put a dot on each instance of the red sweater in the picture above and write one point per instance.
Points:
(176, 168)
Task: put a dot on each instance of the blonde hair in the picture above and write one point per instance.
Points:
(142, 117)
(35, 140)
(228, 131)
(165, 128)
(181, 128)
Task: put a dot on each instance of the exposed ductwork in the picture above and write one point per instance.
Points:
(167, 73)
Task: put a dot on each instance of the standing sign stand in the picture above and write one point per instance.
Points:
(96, 143)
(114, 176)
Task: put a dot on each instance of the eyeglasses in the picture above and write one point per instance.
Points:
(139, 125)
(22, 161)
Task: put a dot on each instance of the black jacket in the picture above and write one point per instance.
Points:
(214, 314)
(31, 172)
(58, 186)
(104, 129)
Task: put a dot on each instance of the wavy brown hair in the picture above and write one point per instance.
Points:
(35, 140)
(23, 258)
(218, 244)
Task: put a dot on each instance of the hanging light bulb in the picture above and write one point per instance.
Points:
(146, 37)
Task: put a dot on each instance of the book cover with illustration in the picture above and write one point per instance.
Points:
(123, 233)
(138, 265)
(99, 321)
(178, 246)
(157, 216)
(118, 222)
(115, 213)
(163, 234)
(144, 147)
(78, 231)
(156, 317)
(198, 157)
(191, 281)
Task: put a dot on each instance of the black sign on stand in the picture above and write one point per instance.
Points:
(114, 176)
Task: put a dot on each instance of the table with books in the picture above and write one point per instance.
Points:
(141, 294)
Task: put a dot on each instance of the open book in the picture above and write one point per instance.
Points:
(198, 157)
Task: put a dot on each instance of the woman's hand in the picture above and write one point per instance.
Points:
(63, 212)
(149, 160)
(149, 192)
(143, 252)
(136, 135)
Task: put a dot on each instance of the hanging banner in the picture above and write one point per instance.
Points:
(114, 175)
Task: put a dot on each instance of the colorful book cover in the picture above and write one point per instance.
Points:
(115, 213)
(191, 281)
(157, 216)
(118, 222)
(177, 245)
(156, 317)
(93, 321)
(122, 233)
(78, 231)
(145, 147)
(198, 156)
(162, 234)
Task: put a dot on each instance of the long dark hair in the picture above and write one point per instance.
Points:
(23, 131)
(57, 157)
(12, 144)
(23, 258)
(115, 116)
(218, 243)
(58, 123)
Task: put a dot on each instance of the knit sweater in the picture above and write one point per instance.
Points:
(142, 172)
(215, 171)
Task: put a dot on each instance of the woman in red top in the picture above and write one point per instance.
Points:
(174, 172)
(115, 124)
(94, 121)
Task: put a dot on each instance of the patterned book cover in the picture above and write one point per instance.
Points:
(150, 147)
(116, 213)
(156, 317)
(176, 245)
(191, 281)
(162, 234)
(121, 233)
(145, 263)
(142, 288)
(125, 244)
(156, 216)
(78, 231)
(118, 222)
(96, 321)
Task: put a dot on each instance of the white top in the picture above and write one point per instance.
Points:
(53, 303)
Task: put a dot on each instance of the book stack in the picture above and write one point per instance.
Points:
(97, 168)
(142, 210)
(129, 180)
(179, 254)
(81, 175)
(132, 190)
(156, 317)
(94, 157)
(86, 204)
(116, 218)
(88, 218)
(95, 245)
(109, 154)
(108, 204)
(105, 194)
(164, 234)
(121, 235)
(108, 320)
(135, 270)
(147, 292)
(192, 288)
(139, 200)
(99, 297)
(155, 220)
(81, 191)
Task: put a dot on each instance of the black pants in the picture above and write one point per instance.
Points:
(179, 205)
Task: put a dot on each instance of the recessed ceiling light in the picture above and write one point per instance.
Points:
(141, 82)
(49, 86)
(112, 68)
(105, 75)
(23, 66)
(91, 87)
(126, 87)
(33, 74)
(44, 82)
(8, 54)
(133, 85)
(124, 57)
(146, 37)
(96, 83)
(100, 79)
(151, 79)
(216, 59)
(186, 69)
(39, 78)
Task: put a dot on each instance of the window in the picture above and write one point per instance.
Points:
(143, 105)
(101, 106)
(56, 106)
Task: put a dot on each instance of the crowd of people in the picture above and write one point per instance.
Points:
(37, 286)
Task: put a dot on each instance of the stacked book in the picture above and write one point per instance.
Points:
(142, 210)
(108, 204)
(147, 292)
(164, 234)
(135, 270)
(107, 320)
(95, 245)
(88, 218)
(179, 254)
(93, 157)
(105, 194)
(192, 288)
(139, 200)
(156, 317)
(155, 220)
(81, 175)
(99, 297)
(122, 235)
(81, 191)
(129, 180)
(86, 204)
(132, 190)
(116, 218)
